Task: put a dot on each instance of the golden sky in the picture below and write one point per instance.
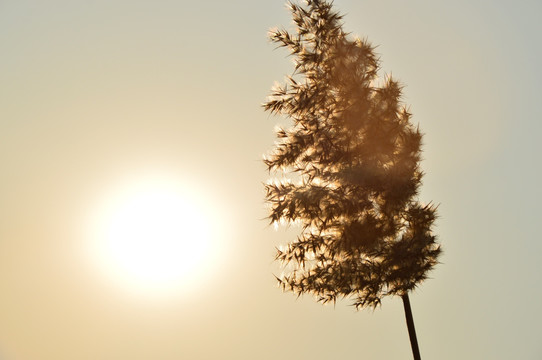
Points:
(104, 99)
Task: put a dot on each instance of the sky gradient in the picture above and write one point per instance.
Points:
(95, 93)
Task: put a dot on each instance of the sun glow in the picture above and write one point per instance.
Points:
(155, 237)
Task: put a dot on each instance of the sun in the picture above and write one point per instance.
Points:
(155, 237)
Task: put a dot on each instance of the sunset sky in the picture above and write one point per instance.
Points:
(106, 105)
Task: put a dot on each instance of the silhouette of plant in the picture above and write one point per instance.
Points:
(354, 155)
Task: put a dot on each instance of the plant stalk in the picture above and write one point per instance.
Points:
(411, 329)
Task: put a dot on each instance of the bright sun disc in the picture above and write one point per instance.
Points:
(155, 237)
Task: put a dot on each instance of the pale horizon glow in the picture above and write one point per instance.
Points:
(154, 237)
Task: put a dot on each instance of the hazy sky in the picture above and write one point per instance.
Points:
(96, 94)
